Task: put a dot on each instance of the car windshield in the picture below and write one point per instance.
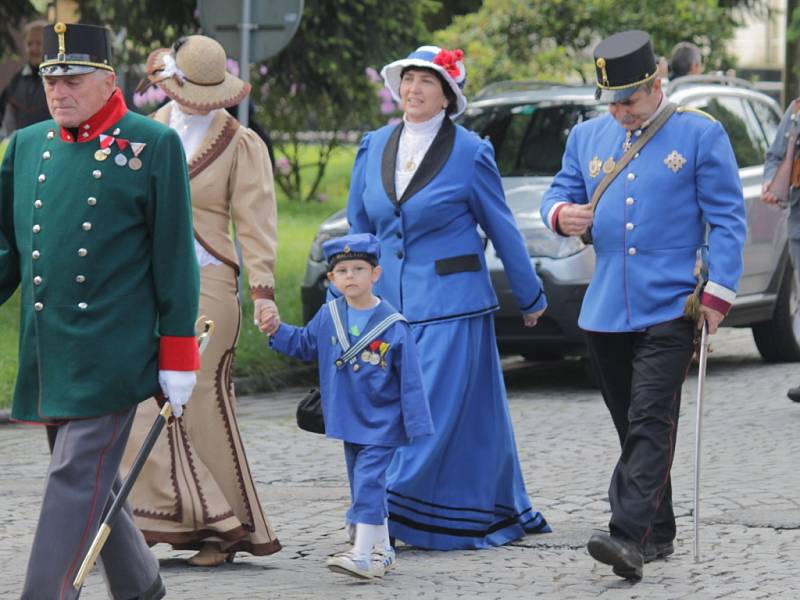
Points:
(529, 138)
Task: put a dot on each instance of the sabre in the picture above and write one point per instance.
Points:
(141, 457)
(701, 380)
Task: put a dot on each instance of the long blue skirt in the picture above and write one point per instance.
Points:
(462, 486)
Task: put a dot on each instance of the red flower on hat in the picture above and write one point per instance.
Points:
(448, 60)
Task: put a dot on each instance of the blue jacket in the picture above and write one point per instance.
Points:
(431, 254)
(363, 403)
(652, 219)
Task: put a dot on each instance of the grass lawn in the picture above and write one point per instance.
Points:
(256, 368)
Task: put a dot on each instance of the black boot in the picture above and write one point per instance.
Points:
(624, 556)
(655, 550)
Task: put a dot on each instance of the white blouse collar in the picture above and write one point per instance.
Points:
(426, 128)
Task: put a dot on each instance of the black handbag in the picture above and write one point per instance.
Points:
(309, 412)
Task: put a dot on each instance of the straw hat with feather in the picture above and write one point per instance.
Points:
(193, 74)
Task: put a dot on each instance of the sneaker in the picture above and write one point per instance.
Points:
(385, 558)
(347, 564)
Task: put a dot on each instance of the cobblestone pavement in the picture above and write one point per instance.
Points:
(750, 536)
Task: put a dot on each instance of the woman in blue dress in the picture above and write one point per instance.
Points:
(422, 187)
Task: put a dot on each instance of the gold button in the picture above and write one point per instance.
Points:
(37, 204)
(46, 155)
(87, 226)
(37, 280)
(87, 126)
(36, 254)
(82, 252)
(83, 305)
(91, 201)
(80, 279)
(38, 307)
(37, 228)
(42, 177)
(97, 174)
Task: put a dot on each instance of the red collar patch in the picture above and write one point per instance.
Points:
(102, 120)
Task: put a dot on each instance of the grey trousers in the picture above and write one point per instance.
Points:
(80, 485)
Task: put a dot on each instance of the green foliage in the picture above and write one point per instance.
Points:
(12, 14)
(553, 39)
(318, 83)
(142, 26)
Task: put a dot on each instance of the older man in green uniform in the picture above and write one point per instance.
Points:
(95, 230)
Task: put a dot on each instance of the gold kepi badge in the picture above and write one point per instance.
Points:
(99, 155)
(594, 166)
(675, 161)
(609, 165)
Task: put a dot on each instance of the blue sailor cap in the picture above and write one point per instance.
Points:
(356, 246)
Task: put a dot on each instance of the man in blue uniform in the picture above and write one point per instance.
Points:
(663, 174)
(371, 385)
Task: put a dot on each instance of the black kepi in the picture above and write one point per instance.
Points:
(623, 62)
(75, 49)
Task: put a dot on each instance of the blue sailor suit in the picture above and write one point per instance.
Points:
(647, 230)
(461, 487)
(372, 408)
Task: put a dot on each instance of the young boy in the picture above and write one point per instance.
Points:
(371, 386)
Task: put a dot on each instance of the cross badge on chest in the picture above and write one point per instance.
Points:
(675, 161)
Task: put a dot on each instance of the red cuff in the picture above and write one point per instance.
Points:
(717, 304)
(554, 223)
(178, 354)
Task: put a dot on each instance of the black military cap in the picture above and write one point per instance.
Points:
(75, 49)
(623, 62)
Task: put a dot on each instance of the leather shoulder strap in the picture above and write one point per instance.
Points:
(653, 128)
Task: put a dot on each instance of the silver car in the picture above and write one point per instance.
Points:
(528, 124)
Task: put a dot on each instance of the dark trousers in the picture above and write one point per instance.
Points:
(640, 376)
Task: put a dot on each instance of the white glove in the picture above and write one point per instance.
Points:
(177, 387)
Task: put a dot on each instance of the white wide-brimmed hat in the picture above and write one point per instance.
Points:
(447, 63)
(193, 73)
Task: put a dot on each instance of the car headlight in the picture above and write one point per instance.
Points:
(328, 230)
(540, 241)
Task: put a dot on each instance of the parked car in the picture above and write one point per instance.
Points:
(528, 124)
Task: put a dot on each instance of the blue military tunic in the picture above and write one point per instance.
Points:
(651, 220)
(380, 404)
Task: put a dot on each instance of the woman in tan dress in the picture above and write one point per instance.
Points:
(196, 490)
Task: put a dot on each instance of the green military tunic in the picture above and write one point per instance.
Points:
(104, 256)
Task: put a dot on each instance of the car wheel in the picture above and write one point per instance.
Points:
(541, 355)
(778, 340)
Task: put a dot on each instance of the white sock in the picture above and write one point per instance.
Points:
(385, 543)
(366, 538)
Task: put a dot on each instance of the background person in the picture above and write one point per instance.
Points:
(422, 187)
(686, 59)
(102, 251)
(23, 103)
(647, 229)
(215, 508)
(788, 127)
